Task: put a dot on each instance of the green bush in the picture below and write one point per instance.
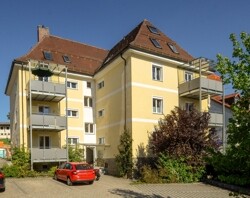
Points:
(177, 170)
(150, 175)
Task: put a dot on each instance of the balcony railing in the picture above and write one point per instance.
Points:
(48, 155)
(207, 86)
(49, 122)
(48, 91)
(216, 119)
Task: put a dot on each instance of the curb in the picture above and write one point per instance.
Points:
(230, 187)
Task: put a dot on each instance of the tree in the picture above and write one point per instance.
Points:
(235, 167)
(183, 134)
(124, 159)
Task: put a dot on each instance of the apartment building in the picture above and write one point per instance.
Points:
(4, 130)
(64, 92)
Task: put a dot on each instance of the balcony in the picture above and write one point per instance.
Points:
(210, 87)
(48, 122)
(47, 91)
(48, 155)
(216, 119)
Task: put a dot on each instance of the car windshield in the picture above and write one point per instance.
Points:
(83, 167)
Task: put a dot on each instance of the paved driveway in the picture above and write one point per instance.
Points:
(107, 186)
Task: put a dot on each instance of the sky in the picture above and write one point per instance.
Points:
(201, 27)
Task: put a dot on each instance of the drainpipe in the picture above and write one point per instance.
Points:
(125, 92)
(30, 97)
(67, 131)
(22, 108)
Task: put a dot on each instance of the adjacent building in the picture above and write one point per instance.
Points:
(65, 93)
(5, 130)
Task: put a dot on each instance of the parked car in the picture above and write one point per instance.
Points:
(2, 181)
(75, 172)
(97, 174)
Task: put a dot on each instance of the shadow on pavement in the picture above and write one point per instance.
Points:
(130, 193)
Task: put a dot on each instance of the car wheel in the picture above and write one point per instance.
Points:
(55, 177)
(2, 190)
(69, 182)
(91, 182)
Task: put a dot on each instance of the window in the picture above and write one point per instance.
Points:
(47, 55)
(7, 128)
(101, 113)
(157, 105)
(72, 140)
(100, 85)
(66, 59)
(153, 29)
(188, 76)
(44, 142)
(173, 48)
(87, 101)
(155, 42)
(156, 73)
(43, 110)
(89, 128)
(189, 106)
(72, 85)
(44, 79)
(101, 140)
(88, 84)
(72, 113)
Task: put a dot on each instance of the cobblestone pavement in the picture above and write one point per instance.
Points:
(107, 186)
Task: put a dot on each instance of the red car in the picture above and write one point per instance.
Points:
(2, 182)
(75, 172)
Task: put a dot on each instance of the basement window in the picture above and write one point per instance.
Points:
(47, 55)
(153, 29)
(66, 59)
(156, 43)
(173, 48)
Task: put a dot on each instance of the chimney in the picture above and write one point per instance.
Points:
(42, 31)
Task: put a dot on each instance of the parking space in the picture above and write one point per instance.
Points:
(107, 186)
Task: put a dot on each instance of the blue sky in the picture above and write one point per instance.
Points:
(201, 27)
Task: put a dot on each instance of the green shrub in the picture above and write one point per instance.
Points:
(149, 175)
(176, 170)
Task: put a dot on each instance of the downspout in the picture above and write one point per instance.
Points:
(30, 112)
(125, 92)
(22, 108)
(66, 100)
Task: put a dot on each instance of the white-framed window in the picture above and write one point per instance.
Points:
(158, 105)
(189, 106)
(101, 113)
(188, 76)
(156, 72)
(72, 85)
(89, 128)
(72, 113)
(88, 84)
(43, 110)
(101, 140)
(44, 142)
(88, 101)
(100, 85)
(73, 141)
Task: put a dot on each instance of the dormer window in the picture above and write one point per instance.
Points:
(47, 55)
(173, 48)
(66, 59)
(156, 43)
(153, 29)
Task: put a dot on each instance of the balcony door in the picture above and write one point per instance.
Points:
(44, 142)
(44, 110)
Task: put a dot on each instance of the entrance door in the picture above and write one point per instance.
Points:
(90, 155)
(44, 142)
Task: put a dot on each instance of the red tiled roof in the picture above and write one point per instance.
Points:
(139, 38)
(84, 58)
(228, 99)
(87, 59)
